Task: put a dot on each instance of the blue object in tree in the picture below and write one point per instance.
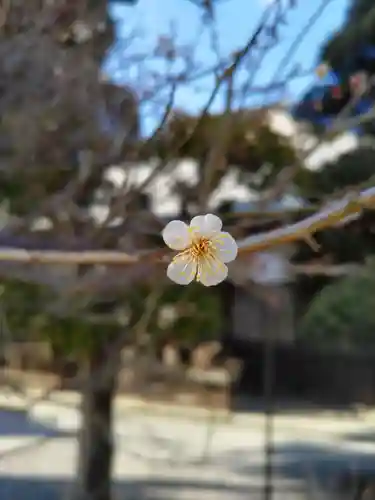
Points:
(316, 93)
(363, 106)
(358, 131)
(307, 111)
(330, 79)
(322, 120)
(369, 52)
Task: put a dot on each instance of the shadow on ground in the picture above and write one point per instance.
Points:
(283, 406)
(17, 423)
(361, 437)
(324, 468)
(297, 468)
(24, 488)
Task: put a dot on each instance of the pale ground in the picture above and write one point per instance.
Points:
(170, 458)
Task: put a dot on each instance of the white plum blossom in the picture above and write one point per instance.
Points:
(204, 249)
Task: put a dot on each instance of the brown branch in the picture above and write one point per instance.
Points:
(332, 216)
(67, 257)
(331, 271)
(225, 75)
(300, 38)
(325, 218)
(217, 159)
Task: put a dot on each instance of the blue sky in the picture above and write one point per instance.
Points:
(236, 20)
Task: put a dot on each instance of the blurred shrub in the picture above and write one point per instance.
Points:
(342, 315)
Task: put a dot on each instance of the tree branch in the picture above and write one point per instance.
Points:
(336, 213)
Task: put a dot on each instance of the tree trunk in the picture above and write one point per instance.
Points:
(95, 452)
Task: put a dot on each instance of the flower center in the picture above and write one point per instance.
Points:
(201, 252)
(200, 248)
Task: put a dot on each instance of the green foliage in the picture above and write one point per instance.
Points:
(197, 313)
(351, 169)
(352, 242)
(29, 316)
(359, 28)
(200, 313)
(361, 9)
(20, 303)
(342, 315)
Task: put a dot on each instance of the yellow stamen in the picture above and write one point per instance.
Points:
(202, 252)
(200, 248)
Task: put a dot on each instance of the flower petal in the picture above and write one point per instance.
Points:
(206, 225)
(182, 270)
(176, 235)
(226, 247)
(211, 271)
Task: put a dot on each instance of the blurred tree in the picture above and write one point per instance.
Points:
(189, 314)
(351, 169)
(354, 39)
(342, 315)
(61, 127)
(353, 242)
(219, 142)
(346, 73)
(348, 64)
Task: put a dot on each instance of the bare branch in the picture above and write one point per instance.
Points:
(337, 213)
(331, 271)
